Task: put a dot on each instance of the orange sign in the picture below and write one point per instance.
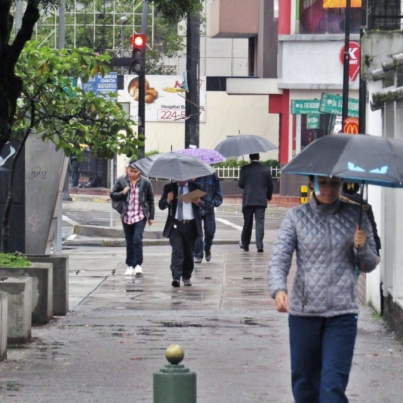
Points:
(350, 126)
(341, 3)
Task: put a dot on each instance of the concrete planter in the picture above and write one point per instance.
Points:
(3, 325)
(19, 296)
(42, 288)
(60, 280)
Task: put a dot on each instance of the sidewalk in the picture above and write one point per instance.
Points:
(113, 340)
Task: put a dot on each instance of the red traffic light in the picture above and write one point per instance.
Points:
(138, 40)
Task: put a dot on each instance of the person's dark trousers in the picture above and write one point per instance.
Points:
(209, 231)
(248, 213)
(182, 240)
(134, 242)
(74, 173)
(321, 355)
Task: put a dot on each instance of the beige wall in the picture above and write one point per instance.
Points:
(226, 115)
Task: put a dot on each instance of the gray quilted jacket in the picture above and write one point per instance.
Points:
(323, 237)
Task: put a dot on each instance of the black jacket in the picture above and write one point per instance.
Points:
(120, 201)
(163, 204)
(257, 184)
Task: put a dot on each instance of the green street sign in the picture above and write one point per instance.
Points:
(333, 104)
(305, 106)
(312, 121)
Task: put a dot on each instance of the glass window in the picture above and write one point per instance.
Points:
(314, 19)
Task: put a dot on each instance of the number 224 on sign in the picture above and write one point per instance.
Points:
(166, 114)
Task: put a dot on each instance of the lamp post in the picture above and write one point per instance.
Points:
(123, 21)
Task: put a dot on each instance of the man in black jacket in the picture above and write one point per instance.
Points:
(257, 184)
(182, 227)
(133, 197)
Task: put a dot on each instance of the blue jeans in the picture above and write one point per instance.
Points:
(321, 355)
(134, 242)
(209, 231)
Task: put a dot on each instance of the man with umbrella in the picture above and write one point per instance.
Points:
(182, 227)
(257, 184)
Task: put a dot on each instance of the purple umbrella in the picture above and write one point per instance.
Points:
(204, 154)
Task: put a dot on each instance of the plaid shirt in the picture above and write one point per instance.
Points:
(134, 212)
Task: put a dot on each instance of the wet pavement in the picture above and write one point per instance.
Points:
(113, 340)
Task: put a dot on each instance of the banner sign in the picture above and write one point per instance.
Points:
(330, 103)
(102, 85)
(341, 3)
(354, 60)
(165, 100)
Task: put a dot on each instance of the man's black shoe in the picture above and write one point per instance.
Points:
(176, 283)
(208, 256)
(186, 282)
(260, 250)
(245, 248)
(198, 259)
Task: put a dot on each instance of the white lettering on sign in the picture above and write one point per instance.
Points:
(352, 52)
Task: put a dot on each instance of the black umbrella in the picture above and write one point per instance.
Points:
(356, 158)
(242, 144)
(174, 166)
(363, 159)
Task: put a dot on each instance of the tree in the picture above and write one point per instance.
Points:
(175, 10)
(52, 106)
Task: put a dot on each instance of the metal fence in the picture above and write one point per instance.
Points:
(233, 172)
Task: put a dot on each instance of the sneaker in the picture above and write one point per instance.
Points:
(176, 283)
(208, 256)
(138, 270)
(186, 282)
(198, 259)
(130, 271)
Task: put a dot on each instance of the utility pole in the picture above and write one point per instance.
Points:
(346, 66)
(362, 92)
(192, 109)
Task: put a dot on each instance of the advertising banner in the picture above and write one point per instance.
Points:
(102, 85)
(341, 3)
(165, 100)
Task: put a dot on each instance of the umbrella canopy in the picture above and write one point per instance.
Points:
(244, 144)
(206, 155)
(356, 158)
(174, 166)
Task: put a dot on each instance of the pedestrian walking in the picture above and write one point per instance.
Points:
(257, 184)
(133, 197)
(323, 307)
(74, 167)
(182, 227)
(213, 198)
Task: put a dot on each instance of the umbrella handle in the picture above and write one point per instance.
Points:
(362, 204)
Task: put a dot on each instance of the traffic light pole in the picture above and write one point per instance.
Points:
(193, 75)
(346, 65)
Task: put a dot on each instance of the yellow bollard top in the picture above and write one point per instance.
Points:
(174, 354)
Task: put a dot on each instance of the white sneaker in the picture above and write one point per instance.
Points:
(130, 271)
(138, 270)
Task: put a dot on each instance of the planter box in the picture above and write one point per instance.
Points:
(42, 288)
(60, 280)
(3, 325)
(19, 294)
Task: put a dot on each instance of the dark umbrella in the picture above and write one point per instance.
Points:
(242, 144)
(174, 166)
(357, 158)
(206, 155)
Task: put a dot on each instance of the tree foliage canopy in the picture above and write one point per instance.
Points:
(52, 105)
(175, 10)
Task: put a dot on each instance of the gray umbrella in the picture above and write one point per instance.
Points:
(242, 144)
(174, 166)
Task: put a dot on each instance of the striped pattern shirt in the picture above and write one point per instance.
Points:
(134, 212)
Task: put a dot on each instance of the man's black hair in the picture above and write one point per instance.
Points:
(254, 157)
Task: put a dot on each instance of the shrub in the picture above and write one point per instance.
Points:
(16, 259)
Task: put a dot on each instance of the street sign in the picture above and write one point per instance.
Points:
(354, 60)
(304, 106)
(312, 121)
(333, 104)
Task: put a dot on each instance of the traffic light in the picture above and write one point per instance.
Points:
(138, 65)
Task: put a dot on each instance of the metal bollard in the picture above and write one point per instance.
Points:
(174, 383)
(304, 194)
